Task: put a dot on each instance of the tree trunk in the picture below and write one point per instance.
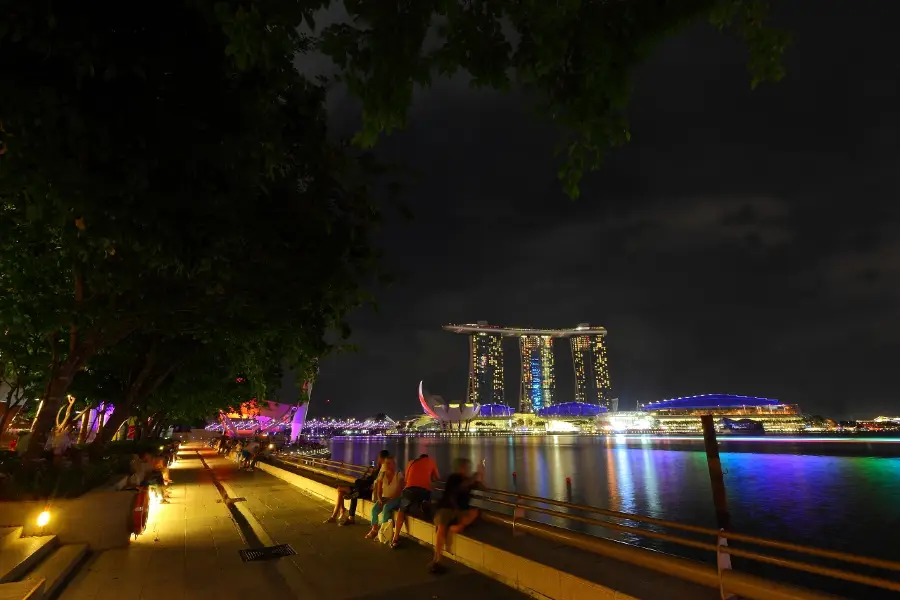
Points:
(111, 426)
(5, 419)
(46, 419)
(85, 425)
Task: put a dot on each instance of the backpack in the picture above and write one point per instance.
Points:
(386, 533)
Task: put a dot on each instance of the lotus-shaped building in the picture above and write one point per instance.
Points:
(446, 413)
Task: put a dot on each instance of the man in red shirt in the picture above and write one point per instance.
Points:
(420, 473)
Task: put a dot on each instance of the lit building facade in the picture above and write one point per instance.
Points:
(682, 415)
(537, 389)
(538, 374)
(485, 369)
(591, 370)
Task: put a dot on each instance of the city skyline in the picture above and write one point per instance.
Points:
(733, 245)
(537, 366)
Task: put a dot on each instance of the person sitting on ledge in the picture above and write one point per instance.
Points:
(417, 493)
(454, 512)
(386, 497)
(144, 474)
(360, 487)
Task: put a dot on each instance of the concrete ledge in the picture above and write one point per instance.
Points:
(22, 590)
(535, 579)
(100, 518)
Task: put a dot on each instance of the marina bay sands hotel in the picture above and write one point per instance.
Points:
(537, 389)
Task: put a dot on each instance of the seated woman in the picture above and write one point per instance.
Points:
(387, 494)
(361, 488)
(454, 510)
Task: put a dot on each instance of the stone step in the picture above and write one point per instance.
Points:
(57, 567)
(8, 534)
(20, 555)
(22, 590)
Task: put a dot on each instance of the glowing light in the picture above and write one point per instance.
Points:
(43, 518)
(424, 404)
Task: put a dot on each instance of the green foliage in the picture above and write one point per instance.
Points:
(167, 176)
(172, 211)
(28, 480)
(575, 57)
(128, 448)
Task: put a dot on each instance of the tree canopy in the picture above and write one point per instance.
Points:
(167, 183)
(575, 57)
(173, 212)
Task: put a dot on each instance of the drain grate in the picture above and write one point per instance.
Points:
(267, 553)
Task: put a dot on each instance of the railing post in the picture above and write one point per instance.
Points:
(720, 498)
(518, 512)
(716, 478)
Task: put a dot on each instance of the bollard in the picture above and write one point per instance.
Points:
(569, 490)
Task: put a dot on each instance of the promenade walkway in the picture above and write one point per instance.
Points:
(190, 549)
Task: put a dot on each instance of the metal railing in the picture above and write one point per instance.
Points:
(520, 506)
(716, 543)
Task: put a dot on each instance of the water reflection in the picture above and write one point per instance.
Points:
(831, 494)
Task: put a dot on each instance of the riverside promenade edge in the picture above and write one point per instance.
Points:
(190, 549)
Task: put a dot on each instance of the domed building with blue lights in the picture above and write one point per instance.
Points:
(732, 413)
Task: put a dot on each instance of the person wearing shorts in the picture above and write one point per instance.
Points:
(454, 510)
(420, 473)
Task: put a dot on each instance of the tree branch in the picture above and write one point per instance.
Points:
(79, 298)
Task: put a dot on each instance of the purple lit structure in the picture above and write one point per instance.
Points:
(496, 410)
(713, 401)
(571, 409)
(96, 418)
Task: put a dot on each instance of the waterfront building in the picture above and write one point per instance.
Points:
(591, 370)
(626, 421)
(485, 369)
(537, 388)
(734, 413)
(571, 410)
(538, 377)
(448, 414)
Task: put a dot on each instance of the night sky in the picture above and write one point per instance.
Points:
(744, 242)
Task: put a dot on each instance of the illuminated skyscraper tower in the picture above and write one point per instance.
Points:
(538, 375)
(581, 359)
(591, 369)
(601, 372)
(485, 369)
(538, 384)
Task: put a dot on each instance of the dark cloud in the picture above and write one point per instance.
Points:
(743, 242)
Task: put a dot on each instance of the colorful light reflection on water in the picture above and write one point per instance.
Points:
(826, 492)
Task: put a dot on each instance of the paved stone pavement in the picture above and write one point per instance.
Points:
(190, 550)
(337, 562)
